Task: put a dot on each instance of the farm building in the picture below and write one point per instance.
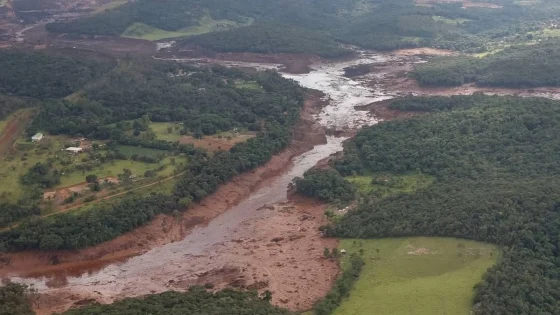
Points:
(37, 137)
(74, 150)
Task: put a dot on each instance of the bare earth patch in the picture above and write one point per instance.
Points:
(215, 143)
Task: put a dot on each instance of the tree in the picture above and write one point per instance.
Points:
(326, 252)
(92, 178)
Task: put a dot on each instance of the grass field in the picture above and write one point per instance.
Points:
(162, 131)
(3, 3)
(417, 276)
(384, 185)
(248, 85)
(132, 150)
(206, 25)
(108, 6)
(115, 168)
(449, 21)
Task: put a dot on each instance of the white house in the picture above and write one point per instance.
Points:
(37, 137)
(74, 150)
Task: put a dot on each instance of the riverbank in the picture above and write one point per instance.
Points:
(165, 229)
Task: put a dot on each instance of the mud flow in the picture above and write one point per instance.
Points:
(249, 234)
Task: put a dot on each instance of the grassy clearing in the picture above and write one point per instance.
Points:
(114, 168)
(549, 32)
(132, 150)
(449, 21)
(167, 131)
(108, 6)
(206, 25)
(421, 276)
(248, 85)
(384, 185)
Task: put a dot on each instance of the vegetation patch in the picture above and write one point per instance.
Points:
(515, 67)
(196, 302)
(205, 25)
(419, 275)
(497, 179)
(109, 6)
(384, 185)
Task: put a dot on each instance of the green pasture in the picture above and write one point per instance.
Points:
(162, 131)
(206, 25)
(417, 276)
(384, 185)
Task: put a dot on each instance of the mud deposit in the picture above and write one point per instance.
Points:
(247, 234)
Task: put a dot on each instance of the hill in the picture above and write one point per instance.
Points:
(515, 67)
(496, 180)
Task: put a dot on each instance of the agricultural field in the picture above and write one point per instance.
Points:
(206, 25)
(384, 185)
(168, 131)
(220, 141)
(74, 168)
(420, 275)
(108, 6)
(171, 131)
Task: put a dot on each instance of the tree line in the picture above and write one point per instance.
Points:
(270, 38)
(497, 178)
(515, 67)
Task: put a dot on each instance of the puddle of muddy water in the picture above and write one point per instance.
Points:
(154, 270)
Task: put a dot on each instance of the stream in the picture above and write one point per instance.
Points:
(154, 270)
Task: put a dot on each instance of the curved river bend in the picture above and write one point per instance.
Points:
(163, 265)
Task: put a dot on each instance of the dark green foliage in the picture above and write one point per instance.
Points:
(517, 67)
(10, 213)
(196, 301)
(43, 75)
(498, 180)
(204, 98)
(72, 231)
(341, 288)
(326, 185)
(42, 175)
(270, 38)
(375, 24)
(14, 300)
(9, 104)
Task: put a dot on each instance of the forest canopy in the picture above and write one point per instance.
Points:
(515, 67)
(270, 38)
(495, 160)
(373, 24)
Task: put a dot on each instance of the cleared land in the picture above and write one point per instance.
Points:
(206, 25)
(384, 185)
(221, 141)
(421, 276)
(108, 6)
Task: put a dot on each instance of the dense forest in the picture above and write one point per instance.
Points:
(46, 75)
(374, 24)
(495, 160)
(205, 99)
(270, 38)
(196, 301)
(515, 67)
(326, 185)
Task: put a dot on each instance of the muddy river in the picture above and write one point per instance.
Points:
(154, 270)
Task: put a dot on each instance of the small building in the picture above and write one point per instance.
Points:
(74, 150)
(37, 137)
